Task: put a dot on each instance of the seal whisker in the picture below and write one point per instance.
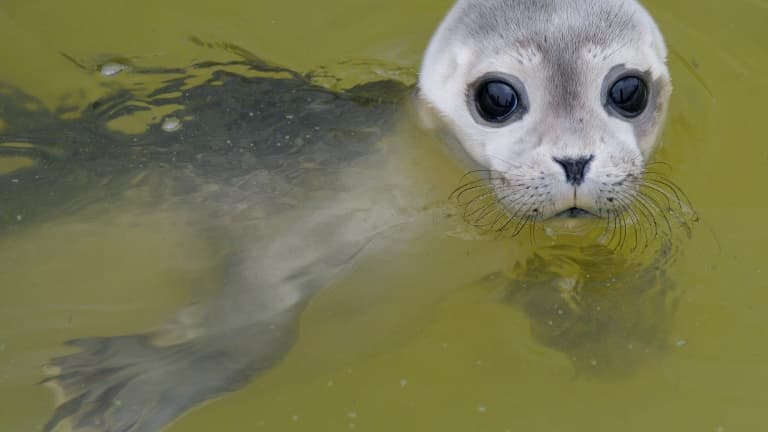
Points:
(459, 194)
(614, 219)
(667, 181)
(644, 210)
(654, 163)
(522, 221)
(636, 224)
(480, 211)
(642, 196)
(651, 184)
(489, 222)
(519, 226)
(532, 225)
(682, 198)
(490, 209)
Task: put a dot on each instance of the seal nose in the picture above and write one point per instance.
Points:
(575, 168)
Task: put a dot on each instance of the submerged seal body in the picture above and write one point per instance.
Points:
(561, 102)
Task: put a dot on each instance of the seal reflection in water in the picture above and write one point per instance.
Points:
(554, 106)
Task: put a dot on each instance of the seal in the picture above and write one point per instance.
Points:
(559, 103)
(563, 101)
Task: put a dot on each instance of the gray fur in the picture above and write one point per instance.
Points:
(502, 24)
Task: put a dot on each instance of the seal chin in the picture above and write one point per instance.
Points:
(575, 213)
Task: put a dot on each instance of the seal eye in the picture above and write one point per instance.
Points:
(496, 100)
(629, 96)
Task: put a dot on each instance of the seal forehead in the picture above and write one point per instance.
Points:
(550, 26)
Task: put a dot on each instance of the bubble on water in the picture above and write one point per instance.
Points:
(681, 343)
(112, 68)
(19, 217)
(295, 418)
(403, 383)
(171, 124)
(482, 409)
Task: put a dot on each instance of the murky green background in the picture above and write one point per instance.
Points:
(468, 362)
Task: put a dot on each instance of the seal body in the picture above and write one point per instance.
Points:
(257, 155)
(264, 162)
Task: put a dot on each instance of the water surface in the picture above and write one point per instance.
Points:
(476, 358)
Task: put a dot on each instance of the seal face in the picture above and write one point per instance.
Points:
(562, 100)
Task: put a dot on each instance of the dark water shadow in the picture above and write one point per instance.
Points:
(609, 313)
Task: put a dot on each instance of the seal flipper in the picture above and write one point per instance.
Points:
(129, 384)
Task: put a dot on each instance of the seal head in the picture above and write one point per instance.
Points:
(562, 100)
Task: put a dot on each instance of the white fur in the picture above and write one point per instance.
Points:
(461, 51)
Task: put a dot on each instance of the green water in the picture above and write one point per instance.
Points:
(460, 361)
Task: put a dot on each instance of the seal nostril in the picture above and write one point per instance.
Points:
(575, 168)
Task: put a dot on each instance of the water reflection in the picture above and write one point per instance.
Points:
(608, 312)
